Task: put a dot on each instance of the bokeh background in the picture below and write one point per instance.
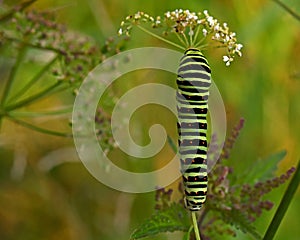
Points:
(45, 191)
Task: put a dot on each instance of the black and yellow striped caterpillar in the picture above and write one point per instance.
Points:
(194, 31)
(193, 81)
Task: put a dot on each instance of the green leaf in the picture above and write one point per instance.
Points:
(263, 169)
(186, 236)
(240, 221)
(284, 204)
(288, 9)
(173, 218)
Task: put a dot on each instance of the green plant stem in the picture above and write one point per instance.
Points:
(38, 129)
(199, 44)
(196, 36)
(42, 94)
(186, 40)
(12, 74)
(289, 10)
(195, 224)
(49, 48)
(10, 81)
(172, 144)
(284, 204)
(191, 38)
(189, 232)
(180, 39)
(33, 80)
(55, 112)
(160, 38)
(34, 45)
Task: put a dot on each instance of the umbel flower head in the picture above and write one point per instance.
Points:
(193, 30)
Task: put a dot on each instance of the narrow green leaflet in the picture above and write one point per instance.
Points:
(263, 169)
(186, 236)
(172, 144)
(284, 205)
(288, 9)
(173, 218)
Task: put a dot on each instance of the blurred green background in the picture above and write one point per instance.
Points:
(46, 193)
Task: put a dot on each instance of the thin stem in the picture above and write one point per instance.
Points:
(199, 43)
(284, 204)
(203, 46)
(33, 80)
(62, 7)
(172, 144)
(289, 10)
(33, 98)
(219, 46)
(191, 32)
(190, 230)
(49, 48)
(34, 45)
(62, 111)
(196, 36)
(160, 38)
(185, 39)
(105, 23)
(12, 75)
(202, 40)
(195, 224)
(10, 81)
(38, 129)
(180, 39)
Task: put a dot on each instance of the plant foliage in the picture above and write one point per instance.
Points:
(169, 219)
(67, 58)
(229, 206)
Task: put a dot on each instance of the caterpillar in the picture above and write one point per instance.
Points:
(195, 31)
(193, 81)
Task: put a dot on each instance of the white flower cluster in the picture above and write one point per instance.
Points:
(180, 19)
(136, 19)
(187, 25)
